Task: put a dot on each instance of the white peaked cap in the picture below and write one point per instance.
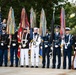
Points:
(67, 29)
(35, 28)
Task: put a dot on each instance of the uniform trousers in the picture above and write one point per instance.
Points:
(35, 54)
(3, 56)
(67, 52)
(24, 56)
(12, 51)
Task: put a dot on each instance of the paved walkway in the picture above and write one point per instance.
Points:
(36, 71)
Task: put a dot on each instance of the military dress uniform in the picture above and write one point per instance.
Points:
(14, 49)
(4, 42)
(56, 50)
(46, 50)
(24, 49)
(35, 49)
(67, 50)
(74, 42)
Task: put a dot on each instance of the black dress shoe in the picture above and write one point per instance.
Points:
(32, 66)
(21, 66)
(53, 67)
(36, 67)
(43, 66)
(64, 68)
(11, 65)
(58, 67)
(5, 65)
(27, 66)
(47, 67)
(74, 68)
(0, 65)
(69, 68)
(16, 66)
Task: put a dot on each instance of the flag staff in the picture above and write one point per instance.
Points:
(0, 14)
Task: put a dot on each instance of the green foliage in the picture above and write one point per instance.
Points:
(48, 6)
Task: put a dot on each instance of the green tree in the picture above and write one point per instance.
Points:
(48, 6)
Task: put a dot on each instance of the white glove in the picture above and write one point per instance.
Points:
(46, 46)
(19, 46)
(56, 46)
(8, 46)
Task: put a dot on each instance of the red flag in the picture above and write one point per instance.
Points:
(19, 39)
(62, 19)
(24, 19)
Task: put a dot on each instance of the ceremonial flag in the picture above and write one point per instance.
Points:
(32, 22)
(42, 27)
(24, 20)
(19, 38)
(52, 26)
(23, 24)
(43, 23)
(0, 22)
(62, 19)
(11, 26)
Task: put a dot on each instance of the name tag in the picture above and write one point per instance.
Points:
(56, 46)
(13, 44)
(46, 46)
(2, 44)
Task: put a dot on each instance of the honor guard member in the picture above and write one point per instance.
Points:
(4, 23)
(46, 50)
(25, 48)
(56, 48)
(67, 48)
(74, 42)
(35, 48)
(4, 42)
(14, 49)
(74, 57)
